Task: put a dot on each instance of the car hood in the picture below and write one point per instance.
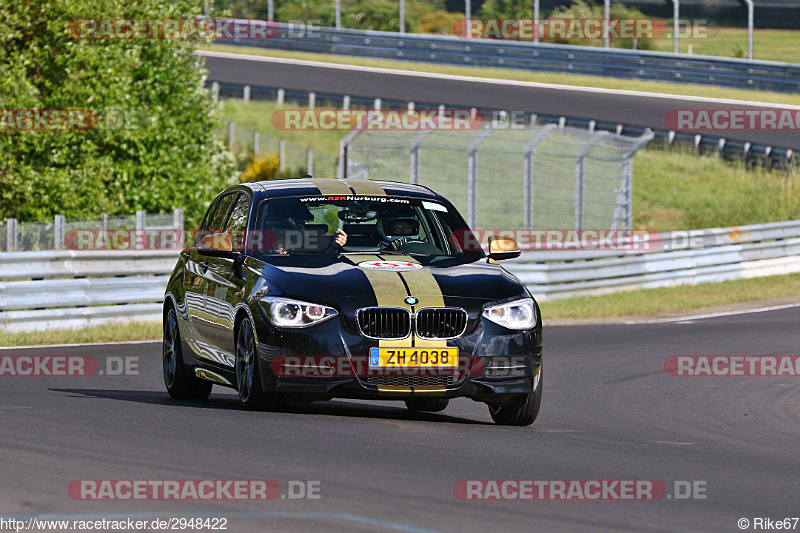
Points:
(346, 280)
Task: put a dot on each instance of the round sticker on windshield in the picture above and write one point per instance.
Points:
(393, 266)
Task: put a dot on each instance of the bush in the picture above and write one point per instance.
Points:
(582, 10)
(268, 168)
(170, 156)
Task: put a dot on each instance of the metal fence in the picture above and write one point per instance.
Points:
(618, 63)
(751, 155)
(65, 289)
(245, 141)
(540, 176)
(18, 236)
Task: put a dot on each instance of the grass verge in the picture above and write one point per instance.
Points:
(106, 333)
(524, 75)
(673, 299)
(640, 303)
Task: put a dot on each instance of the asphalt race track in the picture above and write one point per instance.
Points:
(610, 412)
(596, 104)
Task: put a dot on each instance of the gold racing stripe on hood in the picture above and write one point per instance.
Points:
(390, 291)
(366, 187)
(331, 186)
(424, 287)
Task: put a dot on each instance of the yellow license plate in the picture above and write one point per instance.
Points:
(413, 357)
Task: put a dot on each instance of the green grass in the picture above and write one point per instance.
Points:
(640, 302)
(678, 190)
(523, 75)
(768, 45)
(673, 299)
(106, 333)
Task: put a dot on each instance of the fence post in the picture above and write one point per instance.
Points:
(415, 142)
(215, 91)
(231, 134)
(104, 218)
(282, 154)
(11, 234)
(281, 96)
(256, 142)
(377, 104)
(472, 177)
(310, 161)
(177, 218)
(312, 100)
(527, 169)
(246, 94)
(58, 232)
(140, 222)
(346, 102)
(579, 175)
(344, 152)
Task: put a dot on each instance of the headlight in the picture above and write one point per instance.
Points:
(519, 314)
(286, 313)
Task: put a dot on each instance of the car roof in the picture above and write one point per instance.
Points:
(329, 186)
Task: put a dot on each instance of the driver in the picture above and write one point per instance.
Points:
(397, 229)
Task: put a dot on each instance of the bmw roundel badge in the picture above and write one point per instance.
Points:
(410, 300)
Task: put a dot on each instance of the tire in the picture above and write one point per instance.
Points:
(180, 383)
(522, 410)
(431, 405)
(248, 379)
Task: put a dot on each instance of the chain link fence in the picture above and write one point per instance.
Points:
(514, 178)
(245, 141)
(18, 236)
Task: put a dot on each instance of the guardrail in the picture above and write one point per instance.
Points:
(675, 258)
(63, 289)
(618, 63)
(66, 289)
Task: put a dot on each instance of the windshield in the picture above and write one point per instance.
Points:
(361, 224)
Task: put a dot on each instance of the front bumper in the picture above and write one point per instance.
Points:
(494, 364)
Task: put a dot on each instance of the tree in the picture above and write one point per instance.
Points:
(166, 153)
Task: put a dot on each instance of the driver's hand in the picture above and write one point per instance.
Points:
(398, 243)
(340, 237)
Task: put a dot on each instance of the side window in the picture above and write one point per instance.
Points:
(237, 221)
(221, 214)
(215, 218)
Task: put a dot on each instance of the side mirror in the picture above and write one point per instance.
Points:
(503, 248)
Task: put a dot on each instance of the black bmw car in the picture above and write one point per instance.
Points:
(314, 289)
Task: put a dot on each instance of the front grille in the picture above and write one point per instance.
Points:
(441, 322)
(384, 322)
(411, 381)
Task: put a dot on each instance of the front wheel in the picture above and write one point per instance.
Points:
(248, 379)
(180, 383)
(522, 410)
(431, 405)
